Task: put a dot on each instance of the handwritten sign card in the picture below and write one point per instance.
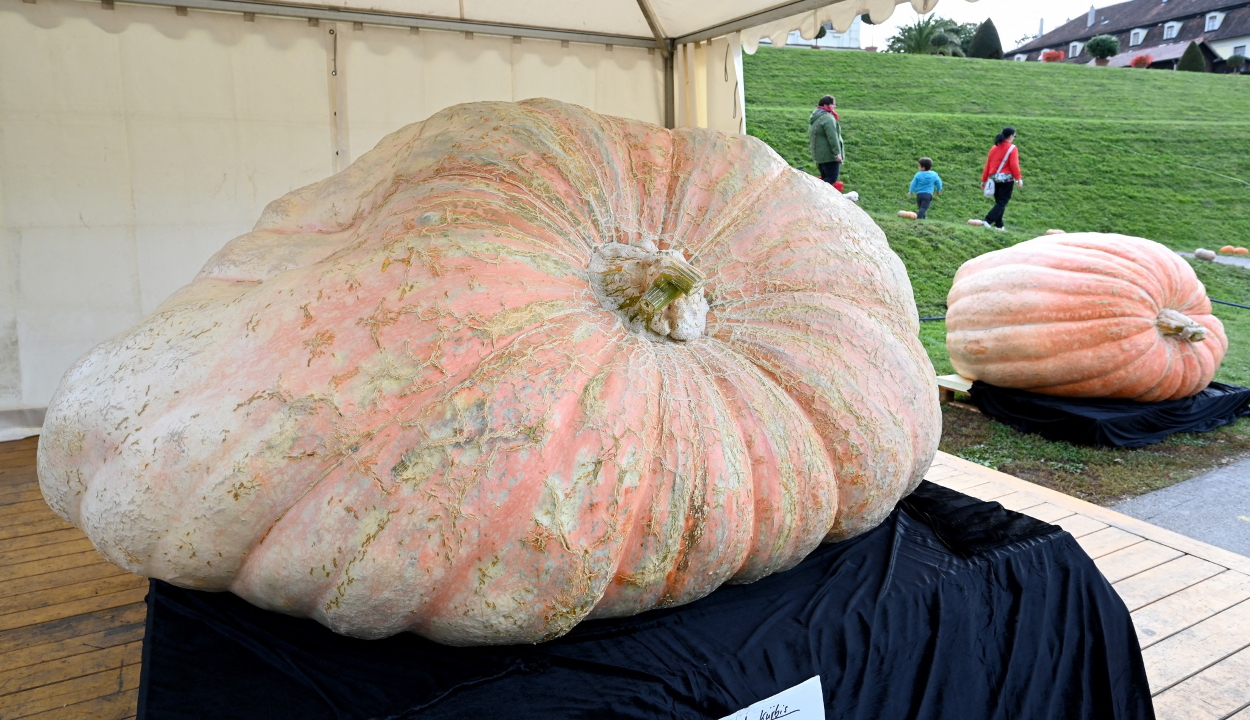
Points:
(804, 701)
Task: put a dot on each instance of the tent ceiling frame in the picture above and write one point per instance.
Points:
(399, 20)
(665, 44)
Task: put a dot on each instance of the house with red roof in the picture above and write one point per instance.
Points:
(1159, 28)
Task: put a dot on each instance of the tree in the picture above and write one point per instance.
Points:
(917, 38)
(1193, 60)
(946, 45)
(963, 32)
(1102, 47)
(1236, 62)
(985, 43)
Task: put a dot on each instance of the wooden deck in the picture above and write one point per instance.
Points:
(71, 625)
(1190, 601)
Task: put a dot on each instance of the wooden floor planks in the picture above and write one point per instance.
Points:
(1190, 601)
(71, 625)
(1159, 582)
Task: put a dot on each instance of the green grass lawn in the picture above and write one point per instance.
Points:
(793, 77)
(1156, 154)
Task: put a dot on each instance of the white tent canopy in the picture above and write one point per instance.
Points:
(138, 136)
(626, 21)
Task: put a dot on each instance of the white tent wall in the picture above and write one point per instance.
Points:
(135, 142)
(394, 77)
(710, 90)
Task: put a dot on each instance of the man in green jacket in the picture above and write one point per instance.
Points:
(824, 137)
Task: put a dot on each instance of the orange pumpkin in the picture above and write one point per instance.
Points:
(519, 365)
(1084, 315)
(1241, 251)
(1228, 249)
(908, 214)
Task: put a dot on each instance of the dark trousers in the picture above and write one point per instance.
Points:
(923, 201)
(1002, 196)
(829, 172)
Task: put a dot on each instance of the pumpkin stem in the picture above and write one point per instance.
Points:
(1172, 322)
(654, 292)
(676, 279)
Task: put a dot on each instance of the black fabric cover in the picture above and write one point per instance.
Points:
(953, 608)
(1111, 423)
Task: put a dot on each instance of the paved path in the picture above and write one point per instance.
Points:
(1213, 508)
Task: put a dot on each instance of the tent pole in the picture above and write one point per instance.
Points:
(666, 47)
(670, 92)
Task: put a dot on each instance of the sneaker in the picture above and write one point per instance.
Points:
(986, 225)
(1003, 229)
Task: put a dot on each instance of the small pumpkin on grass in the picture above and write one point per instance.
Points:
(519, 365)
(1084, 315)
(907, 214)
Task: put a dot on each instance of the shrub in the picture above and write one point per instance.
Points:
(985, 42)
(1103, 46)
(1142, 61)
(1053, 56)
(1193, 60)
(1236, 62)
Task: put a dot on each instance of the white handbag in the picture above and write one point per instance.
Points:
(989, 184)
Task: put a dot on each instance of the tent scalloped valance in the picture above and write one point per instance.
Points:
(841, 14)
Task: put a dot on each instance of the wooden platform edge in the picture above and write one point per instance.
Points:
(1163, 536)
(956, 382)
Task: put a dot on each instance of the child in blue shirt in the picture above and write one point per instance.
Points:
(924, 186)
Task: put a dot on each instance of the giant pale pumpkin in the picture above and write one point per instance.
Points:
(1084, 315)
(442, 390)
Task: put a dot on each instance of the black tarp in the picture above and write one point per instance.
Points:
(1111, 423)
(953, 608)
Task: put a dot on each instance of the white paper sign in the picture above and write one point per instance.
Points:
(804, 701)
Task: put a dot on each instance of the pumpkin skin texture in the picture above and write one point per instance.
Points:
(414, 398)
(1084, 315)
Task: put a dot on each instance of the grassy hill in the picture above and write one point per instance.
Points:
(794, 77)
(1156, 154)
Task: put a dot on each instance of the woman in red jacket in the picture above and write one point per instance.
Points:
(1003, 165)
